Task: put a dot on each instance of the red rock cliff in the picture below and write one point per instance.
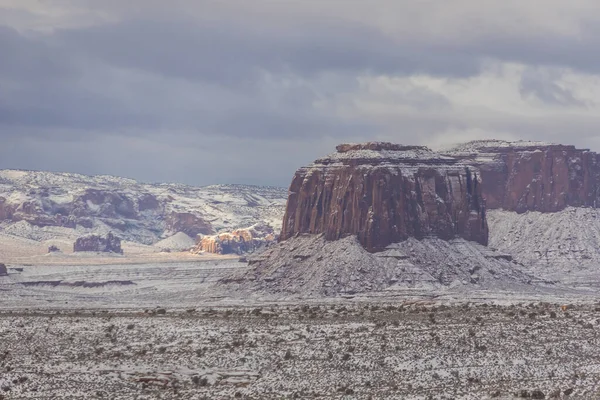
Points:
(533, 176)
(385, 193)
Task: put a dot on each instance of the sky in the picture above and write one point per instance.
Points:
(236, 91)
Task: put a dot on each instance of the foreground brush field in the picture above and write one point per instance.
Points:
(419, 350)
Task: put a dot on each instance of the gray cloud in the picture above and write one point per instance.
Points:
(220, 94)
(542, 85)
(234, 54)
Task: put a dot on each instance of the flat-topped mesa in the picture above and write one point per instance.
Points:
(377, 153)
(376, 146)
(533, 176)
(385, 193)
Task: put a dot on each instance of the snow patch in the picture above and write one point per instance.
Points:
(178, 242)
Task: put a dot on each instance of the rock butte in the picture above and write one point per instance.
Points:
(109, 244)
(385, 193)
(533, 176)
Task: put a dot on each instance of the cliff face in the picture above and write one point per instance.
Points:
(533, 176)
(385, 193)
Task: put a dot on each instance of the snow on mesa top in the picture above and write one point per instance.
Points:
(385, 193)
(374, 153)
(481, 146)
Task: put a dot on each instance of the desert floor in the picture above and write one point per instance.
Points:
(169, 330)
(19, 251)
(400, 350)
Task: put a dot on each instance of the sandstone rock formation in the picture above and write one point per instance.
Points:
(109, 244)
(385, 193)
(239, 241)
(533, 176)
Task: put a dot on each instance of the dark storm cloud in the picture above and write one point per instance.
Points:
(43, 84)
(62, 80)
(231, 53)
(543, 48)
(32, 60)
(58, 80)
(544, 87)
(167, 86)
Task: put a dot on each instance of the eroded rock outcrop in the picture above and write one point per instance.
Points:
(385, 193)
(188, 223)
(34, 203)
(533, 176)
(108, 244)
(239, 241)
(3, 270)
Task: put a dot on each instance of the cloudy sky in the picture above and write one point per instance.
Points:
(239, 91)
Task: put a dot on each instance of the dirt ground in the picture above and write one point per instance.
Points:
(419, 350)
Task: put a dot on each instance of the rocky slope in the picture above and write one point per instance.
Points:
(309, 265)
(549, 244)
(385, 193)
(533, 176)
(46, 205)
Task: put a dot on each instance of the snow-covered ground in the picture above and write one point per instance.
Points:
(178, 242)
(400, 350)
(432, 319)
(19, 251)
(117, 285)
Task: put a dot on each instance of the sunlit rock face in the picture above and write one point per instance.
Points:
(239, 241)
(533, 176)
(385, 193)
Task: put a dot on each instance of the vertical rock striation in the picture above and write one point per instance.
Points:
(385, 193)
(533, 176)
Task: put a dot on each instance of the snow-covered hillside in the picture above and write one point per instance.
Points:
(549, 243)
(310, 265)
(45, 205)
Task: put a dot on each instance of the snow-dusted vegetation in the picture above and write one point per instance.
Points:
(403, 350)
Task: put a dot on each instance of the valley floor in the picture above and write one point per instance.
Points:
(19, 251)
(399, 350)
(172, 331)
